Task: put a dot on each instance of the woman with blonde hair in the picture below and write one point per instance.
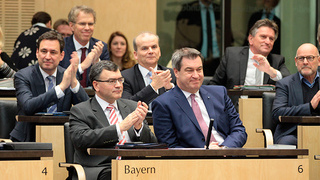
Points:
(119, 51)
(7, 69)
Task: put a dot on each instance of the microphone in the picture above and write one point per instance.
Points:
(209, 133)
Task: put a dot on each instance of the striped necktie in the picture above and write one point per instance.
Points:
(114, 120)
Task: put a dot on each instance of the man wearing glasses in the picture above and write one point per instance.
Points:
(106, 120)
(297, 94)
(82, 20)
(46, 87)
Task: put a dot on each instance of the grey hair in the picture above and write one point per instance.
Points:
(186, 52)
(74, 12)
(141, 35)
(264, 23)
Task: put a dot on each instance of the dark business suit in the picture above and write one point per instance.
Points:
(175, 123)
(89, 128)
(288, 102)
(134, 87)
(233, 68)
(32, 98)
(70, 47)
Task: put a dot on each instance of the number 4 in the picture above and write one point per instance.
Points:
(45, 171)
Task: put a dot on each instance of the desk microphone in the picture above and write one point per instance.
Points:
(209, 133)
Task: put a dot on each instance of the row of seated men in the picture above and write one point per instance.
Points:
(181, 105)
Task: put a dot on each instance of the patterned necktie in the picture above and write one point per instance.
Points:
(52, 108)
(83, 81)
(258, 77)
(149, 80)
(197, 113)
(114, 120)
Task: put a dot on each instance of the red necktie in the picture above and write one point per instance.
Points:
(114, 120)
(83, 82)
(197, 113)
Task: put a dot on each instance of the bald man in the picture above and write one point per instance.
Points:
(297, 94)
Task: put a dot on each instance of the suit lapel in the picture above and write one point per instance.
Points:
(38, 80)
(296, 88)
(183, 103)
(139, 77)
(98, 112)
(58, 81)
(125, 111)
(208, 102)
(243, 63)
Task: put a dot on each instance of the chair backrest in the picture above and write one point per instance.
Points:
(267, 102)
(8, 111)
(69, 150)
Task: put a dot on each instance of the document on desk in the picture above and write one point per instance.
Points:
(266, 87)
(25, 146)
(140, 145)
(6, 84)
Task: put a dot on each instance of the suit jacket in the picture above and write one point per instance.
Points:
(32, 98)
(288, 102)
(25, 47)
(134, 87)
(233, 68)
(90, 128)
(176, 125)
(70, 47)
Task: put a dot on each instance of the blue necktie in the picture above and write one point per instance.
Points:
(149, 76)
(52, 108)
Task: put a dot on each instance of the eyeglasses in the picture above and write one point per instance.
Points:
(83, 24)
(113, 81)
(309, 58)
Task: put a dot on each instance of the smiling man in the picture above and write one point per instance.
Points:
(147, 80)
(253, 65)
(298, 94)
(46, 87)
(106, 120)
(181, 116)
(82, 21)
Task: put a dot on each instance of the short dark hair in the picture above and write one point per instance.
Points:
(186, 52)
(40, 17)
(97, 68)
(51, 35)
(264, 23)
(60, 22)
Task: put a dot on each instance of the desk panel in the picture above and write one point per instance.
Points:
(250, 111)
(248, 169)
(27, 170)
(308, 138)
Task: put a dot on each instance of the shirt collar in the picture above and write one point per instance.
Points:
(40, 24)
(187, 94)
(45, 75)
(203, 7)
(304, 80)
(144, 71)
(250, 54)
(104, 104)
(77, 45)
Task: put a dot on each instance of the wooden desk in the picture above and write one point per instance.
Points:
(49, 129)
(308, 132)
(26, 164)
(250, 111)
(217, 164)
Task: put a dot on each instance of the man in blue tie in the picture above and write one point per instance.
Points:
(47, 87)
(181, 116)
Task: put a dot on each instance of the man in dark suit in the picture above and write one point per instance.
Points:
(25, 47)
(82, 20)
(93, 124)
(181, 116)
(298, 94)
(33, 85)
(147, 80)
(253, 65)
